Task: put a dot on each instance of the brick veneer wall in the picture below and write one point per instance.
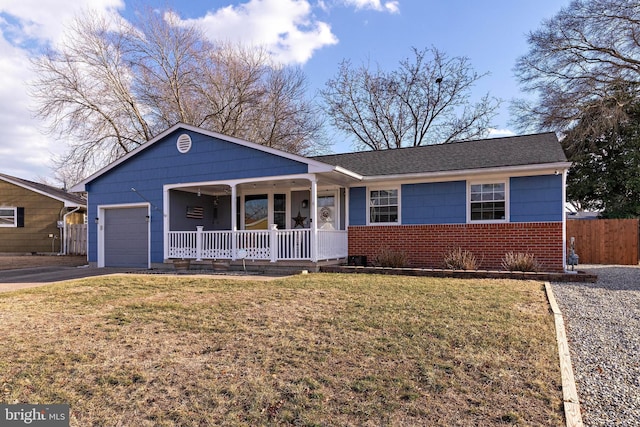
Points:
(425, 245)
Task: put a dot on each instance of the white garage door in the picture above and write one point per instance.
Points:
(126, 237)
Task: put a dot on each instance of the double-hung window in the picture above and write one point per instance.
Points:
(8, 217)
(384, 206)
(487, 202)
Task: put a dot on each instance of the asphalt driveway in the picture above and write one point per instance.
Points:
(11, 280)
(20, 272)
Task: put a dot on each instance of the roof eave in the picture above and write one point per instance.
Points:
(348, 173)
(72, 204)
(67, 202)
(502, 170)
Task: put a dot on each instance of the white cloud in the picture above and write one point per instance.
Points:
(498, 133)
(387, 6)
(286, 28)
(46, 20)
(25, 151)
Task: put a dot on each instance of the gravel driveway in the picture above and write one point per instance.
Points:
(603, 329)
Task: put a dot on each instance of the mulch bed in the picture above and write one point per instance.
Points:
(579, 276)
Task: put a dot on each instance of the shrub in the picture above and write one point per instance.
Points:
(387, 257)
(518, 261)
(458, 259)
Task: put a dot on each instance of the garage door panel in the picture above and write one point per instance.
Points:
(126, 237)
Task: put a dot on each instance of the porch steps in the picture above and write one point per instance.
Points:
(282, 267)
(254, 267)
(261, 266)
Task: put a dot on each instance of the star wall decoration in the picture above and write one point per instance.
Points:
(299, 220)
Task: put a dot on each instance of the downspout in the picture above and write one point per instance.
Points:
(64, 234)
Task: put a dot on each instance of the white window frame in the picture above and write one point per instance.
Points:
(504, 181)
(369, 205)
(15, 216)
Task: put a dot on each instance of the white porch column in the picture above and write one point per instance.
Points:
(313, 212)
(346, 208)
(199, 229)
(234, 221)
(273, 242)
(165, 220)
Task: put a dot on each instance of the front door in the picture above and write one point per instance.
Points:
(327, 211)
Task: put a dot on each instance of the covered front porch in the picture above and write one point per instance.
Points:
(276, 219)
(267, 245)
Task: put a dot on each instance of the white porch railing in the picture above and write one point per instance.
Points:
(293, 244)
(182, 244)
(332, 244)
(271, 245)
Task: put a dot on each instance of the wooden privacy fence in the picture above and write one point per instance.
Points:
(605, 241)
(76, 239)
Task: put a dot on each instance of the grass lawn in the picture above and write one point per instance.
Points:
(318, 349)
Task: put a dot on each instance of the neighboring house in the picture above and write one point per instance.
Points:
(34, 216)
(191, 193)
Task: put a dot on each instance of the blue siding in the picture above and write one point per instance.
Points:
(536, 198)
(532, 199)
(209, 159)
(434, 203)
(358, 206)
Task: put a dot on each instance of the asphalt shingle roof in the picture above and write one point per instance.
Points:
(52, 191)
(477, 154)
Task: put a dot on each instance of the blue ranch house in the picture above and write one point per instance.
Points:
(195, 194)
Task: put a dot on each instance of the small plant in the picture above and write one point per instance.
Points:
(459, 259)
(518, 261)
(387, 257)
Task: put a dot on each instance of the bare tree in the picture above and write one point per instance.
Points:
(164, 60)
(232, 86)
(583, 67)
(252, 98)
(83, 92)
(425, 101)
(285, 123)
(112, 86)
(583, 62)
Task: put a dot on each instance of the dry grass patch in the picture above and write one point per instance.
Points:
(308, 350)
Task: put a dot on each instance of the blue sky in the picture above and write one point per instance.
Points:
(315, 34)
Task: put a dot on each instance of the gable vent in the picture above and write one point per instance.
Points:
(184, 143)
